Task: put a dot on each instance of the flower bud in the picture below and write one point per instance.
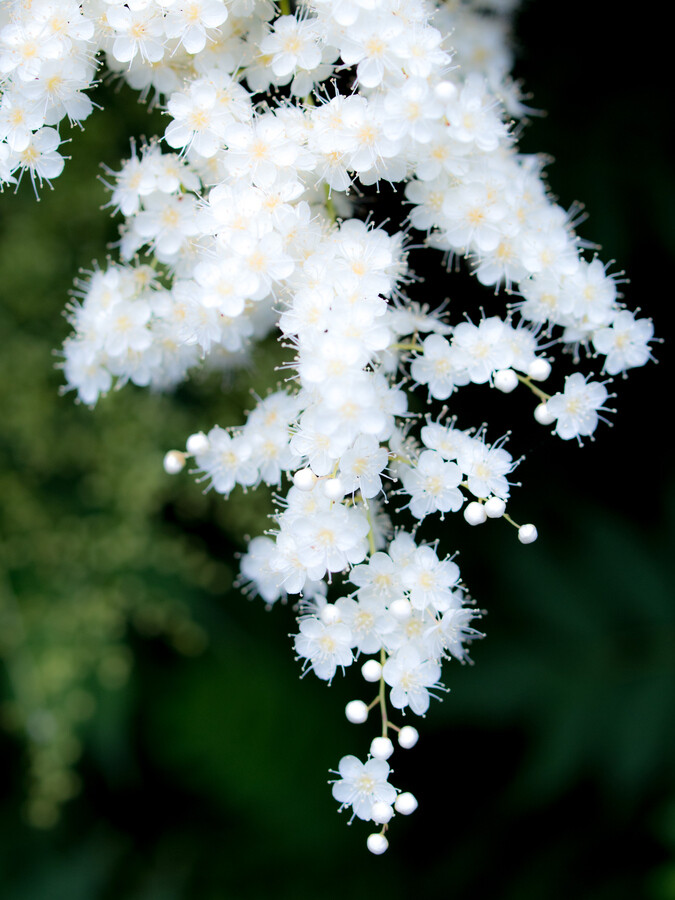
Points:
(381, 748)
(356, 712)
(329, 614)
(405, 803)
(401, 609)
(475, 513)
(542, 415)
(333, 489)
(377, 843)
(505, 380)
(174, 461)
(445, 90)
(197, 443)
(539, 369)
(371, 670)
(408, 737)
(527, 534)
(381, 812)
(495, 508)
(304, 479)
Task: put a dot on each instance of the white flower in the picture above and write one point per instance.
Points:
(472, 116)
(292, 44)
(125, 328)
(448, 441)
(83, 373)
(325, 647)
(471, 218)
(429, 580)
(227, 461)
(482, 349)
(255, 567)
(332, 538)
(369, 46)
(259, 150)
(542, 298)
(409, 676)
(166, 221)
(138, 30)
(379, 578)
(363, 784)
(576, 408)
(437, 367)
(485, 468)
(23, 48)
(189, 20)
(362, 464)
(455, 630)
(589, 294)
(20, 116)
(199, 120)
(40, 156)
(433, 485)
(419, 48)
(368, 620)
(550, 249)
(411, 111)
(625, 343)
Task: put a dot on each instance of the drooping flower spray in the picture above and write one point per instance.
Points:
(241, 222)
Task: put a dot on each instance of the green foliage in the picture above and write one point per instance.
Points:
(85, 551)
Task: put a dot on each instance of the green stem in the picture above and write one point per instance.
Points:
(383, 702)
(543, 396)
(330, 206)
(510, 520)
(411, 345)
(396, 457)
(371, 533)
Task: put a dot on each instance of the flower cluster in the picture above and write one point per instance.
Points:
(245, 210)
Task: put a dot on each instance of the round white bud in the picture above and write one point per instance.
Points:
(356, 712)
(401, 609)
(408, 737)
(475, 513)
(197, 443)
(304, 479)
(381, 748)
(174, 461)
(505, 380)
(539, 369)
(445, 90)
(333, 489)
(495, 508)
(527, 534)
(329, 614)
(381, 812)
(406, 803)
(543, 415)
(371, 670)
(377, 843)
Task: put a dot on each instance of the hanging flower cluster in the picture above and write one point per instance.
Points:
(240, 222)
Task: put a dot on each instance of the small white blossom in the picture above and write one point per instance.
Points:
(363, 784)
(325, 647)
(410, 677)
(576, 408)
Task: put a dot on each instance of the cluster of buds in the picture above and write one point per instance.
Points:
(241, 222)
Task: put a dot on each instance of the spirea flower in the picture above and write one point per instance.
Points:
(363, 784)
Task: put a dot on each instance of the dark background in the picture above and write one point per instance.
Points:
(546, 772)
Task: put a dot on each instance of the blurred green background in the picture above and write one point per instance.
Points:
(157, 743)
